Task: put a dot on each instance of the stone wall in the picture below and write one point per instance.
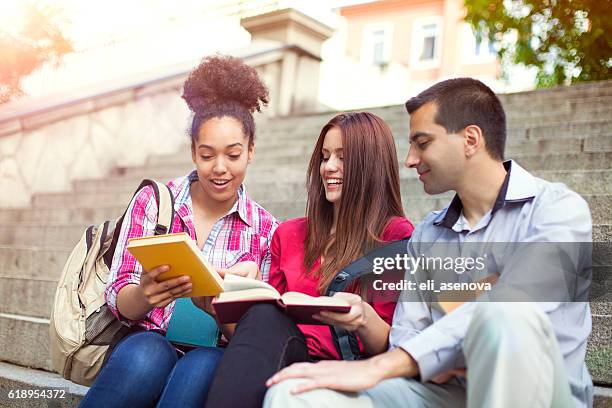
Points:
(49, 157)
(45, 145)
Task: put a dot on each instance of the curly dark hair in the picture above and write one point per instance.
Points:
(224, 86)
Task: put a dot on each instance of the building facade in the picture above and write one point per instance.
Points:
(386, 50)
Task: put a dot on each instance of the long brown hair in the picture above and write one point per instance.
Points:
(370, 195)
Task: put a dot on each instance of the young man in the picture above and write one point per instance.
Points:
(513, 354)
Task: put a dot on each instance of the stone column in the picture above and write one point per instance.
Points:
(298, 39)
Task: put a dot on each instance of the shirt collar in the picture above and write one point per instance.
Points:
(242, 205)
(519, 185)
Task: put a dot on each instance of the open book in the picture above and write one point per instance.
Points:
(184, 257)
(241, 293)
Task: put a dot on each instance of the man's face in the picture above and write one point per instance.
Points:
(438, 156)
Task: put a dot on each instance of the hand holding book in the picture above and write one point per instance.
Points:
(160, 294)
(351, 321)
(241, 293)
(236, 293)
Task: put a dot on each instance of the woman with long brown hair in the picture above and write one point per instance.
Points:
(354, 205)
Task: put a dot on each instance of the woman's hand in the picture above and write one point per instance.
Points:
(246, 269)
(160, 294)
(354, 320)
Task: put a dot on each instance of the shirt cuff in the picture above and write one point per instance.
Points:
(111, 300)
(433, 351)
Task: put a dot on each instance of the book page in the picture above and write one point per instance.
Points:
(247, 295)
(233, 283)
(297, 298)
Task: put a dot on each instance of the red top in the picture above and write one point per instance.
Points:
(287, 274)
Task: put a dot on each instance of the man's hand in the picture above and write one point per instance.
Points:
(356, 318)
(445, 376)
(350, 376)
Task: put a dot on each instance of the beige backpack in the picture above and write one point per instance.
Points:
(82, 327)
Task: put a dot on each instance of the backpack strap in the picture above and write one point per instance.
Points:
(165, 205)
(165, 214)
(346, 342)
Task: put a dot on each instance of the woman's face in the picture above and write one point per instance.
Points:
(221, 154)
(331, 165)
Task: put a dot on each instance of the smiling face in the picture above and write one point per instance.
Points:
(331, 168)
(437, 156)
(221, 154)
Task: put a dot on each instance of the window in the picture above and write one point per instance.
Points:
(426, 42)
(483, 47)
(428, 52)
(376, 48)
(476, 50)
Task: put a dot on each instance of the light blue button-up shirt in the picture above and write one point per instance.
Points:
(527, 209)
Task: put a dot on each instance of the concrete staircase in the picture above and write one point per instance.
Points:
(562, 134)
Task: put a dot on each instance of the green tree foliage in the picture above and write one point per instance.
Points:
(566, 40)
(37, 41)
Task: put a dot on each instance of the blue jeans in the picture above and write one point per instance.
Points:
(144, 370)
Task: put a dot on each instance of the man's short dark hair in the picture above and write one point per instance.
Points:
(462, 102)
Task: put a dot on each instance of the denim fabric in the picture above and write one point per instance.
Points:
(145, 370)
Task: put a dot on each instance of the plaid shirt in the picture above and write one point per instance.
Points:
(243, 234)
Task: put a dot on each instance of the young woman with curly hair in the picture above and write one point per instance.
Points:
(145, 369)
(354, 205)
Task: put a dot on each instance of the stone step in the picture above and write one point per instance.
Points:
(545, 112)
(21, 265)
(582, 181)
(34, 297)
(295, 171)
(291, 158)
(565, 130)
(28, 297)
(32, 263)
(556, 105)
(15, 377)
(295, 156)
(558, 108)
(60, 214)
(301, 144)
(24, 341)
(272, 143)
(517, 106)
(599, 350)
(59, 234)
(586, 89)
(45, 264)
(602, 233)
(565, 161)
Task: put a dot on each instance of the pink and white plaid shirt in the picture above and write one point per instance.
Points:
(243, 234)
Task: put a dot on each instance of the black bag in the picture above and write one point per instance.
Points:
(346, 342)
